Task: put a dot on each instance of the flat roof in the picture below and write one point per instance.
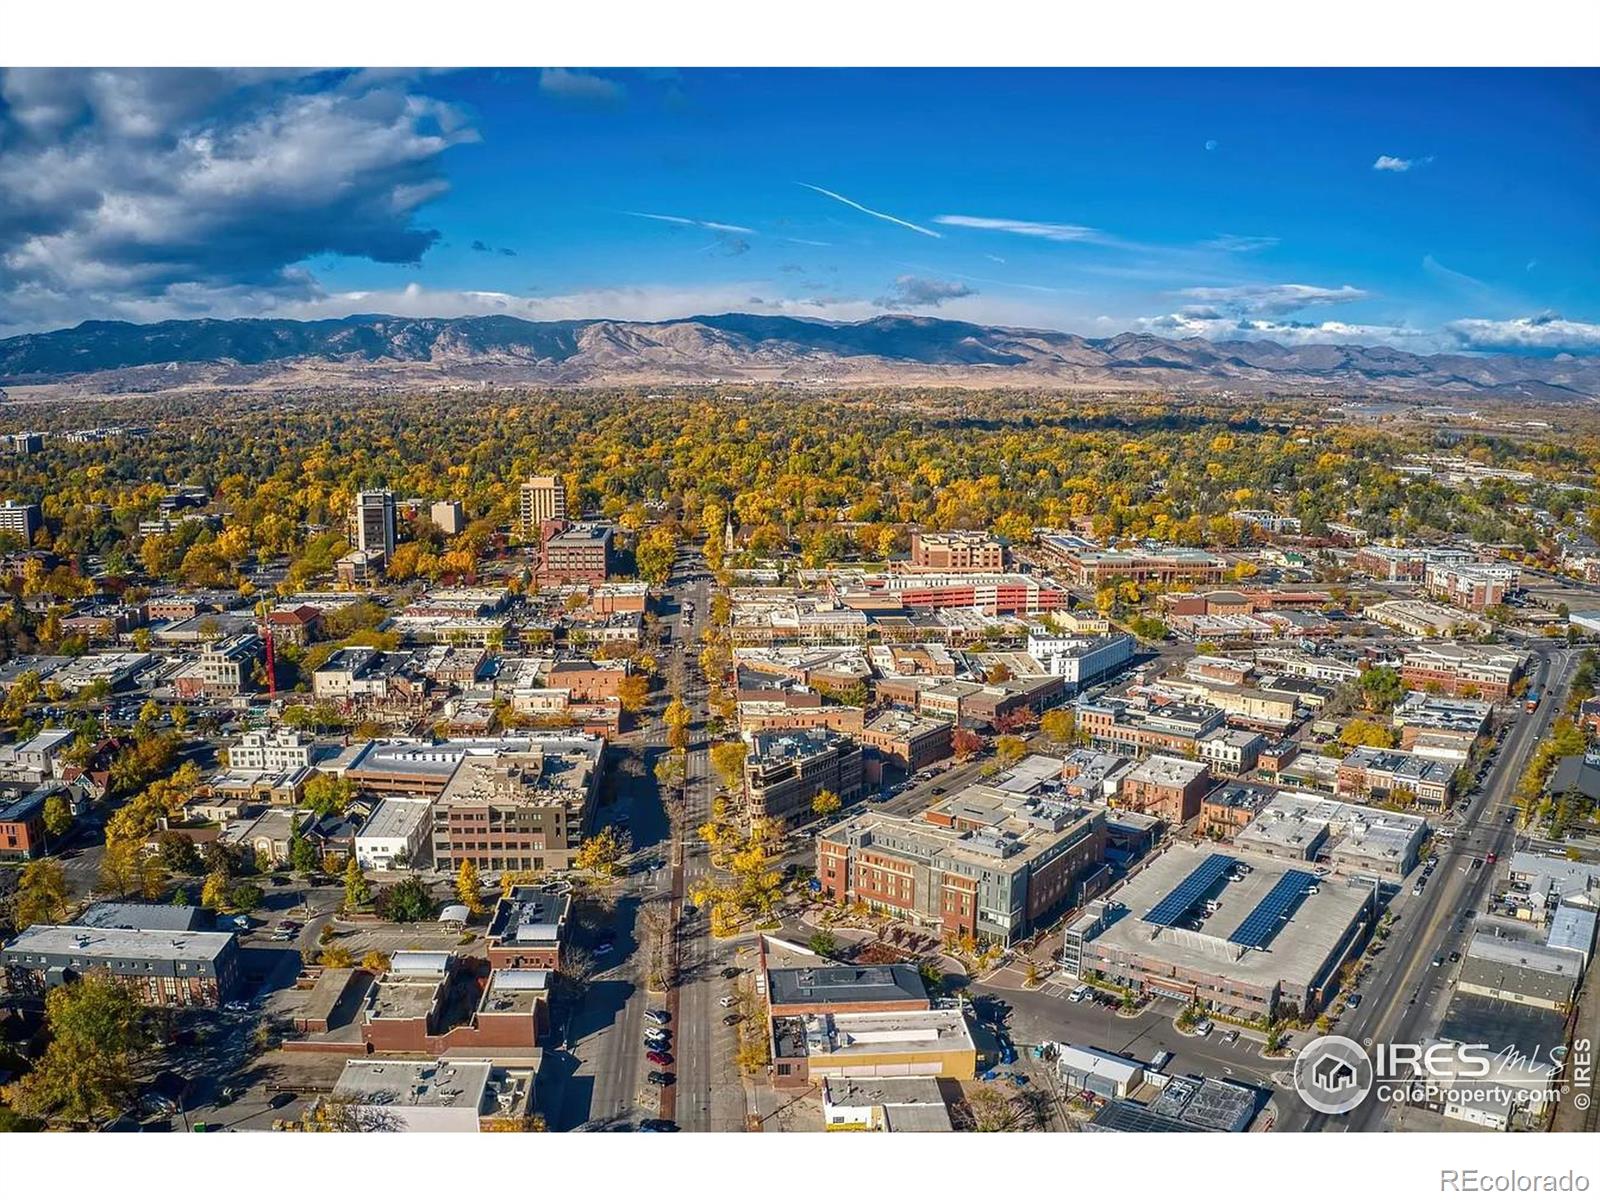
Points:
(1297, 953)
(395, 818)
(386, 1083)
(147, 944)
(842, 983)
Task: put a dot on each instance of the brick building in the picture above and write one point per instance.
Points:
(1170, 788)
(956, 551)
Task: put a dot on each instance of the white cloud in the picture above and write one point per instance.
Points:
(1389, 162)
(119, 189)
(1050, 231)
(580, 86)
(1547, 332)
(1272, 299)
(1219, 328)
(1239, 243)
(871, 212)
(916, 291)
(715, 226)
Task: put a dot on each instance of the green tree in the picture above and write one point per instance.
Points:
(42, 895)
(328, 794)
(99, 1033)
(469, 888)
(303, 857)
(357, 891)
(825, 802)
(603, 852)
(57, 815)
(728, 760)
(406, 901)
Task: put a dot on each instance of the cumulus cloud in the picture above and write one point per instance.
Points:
(1218, 327)
(1048, 230)
(1545, 333)
(580, 87)
(1389, 162)
(173, 190)
(916, 291)
(871, 212)
(1271, 299)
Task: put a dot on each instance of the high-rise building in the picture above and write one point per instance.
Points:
(446, 514)
(544, 498)
(372, 523)
(19, 519)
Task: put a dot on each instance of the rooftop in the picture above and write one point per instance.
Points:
(840, 983)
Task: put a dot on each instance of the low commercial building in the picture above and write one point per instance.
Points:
(163, 967)
(825, 986)
(1364, 843)
(872, 1045)
(1128, 728)
(1195, 927)
(530, 928)
(1108, 1075)
(1420, 712)
(884, 1104)
(393, 834)
(1166, 566)
(1232, 751)
(1371, 773)
(1501, 965)
(455, 1095)
(1422, 618)
(22, 831)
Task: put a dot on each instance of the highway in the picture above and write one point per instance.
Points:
(1406, 991)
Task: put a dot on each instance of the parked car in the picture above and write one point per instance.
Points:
(660, 1057)
(661, 1078)
(732, 1019)
(1161, 1059)
(728, 1001)
(1204, 1028)
(659, 1015)
(1079, 994)
(1354, 1001)
(730, 972)
(1230, 1037)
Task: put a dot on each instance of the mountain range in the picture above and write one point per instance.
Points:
(107, 357)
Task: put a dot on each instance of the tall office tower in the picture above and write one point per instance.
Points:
(372, 522)
(544, 498)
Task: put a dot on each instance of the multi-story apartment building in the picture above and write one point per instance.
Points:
(372, 523)
(986, 864)
(1472, 586)
(786, 769)
(579, 553)
(221, 670)
(19, 520)
(1088, 567)
(518, 811)
(1475, 672)
(166, 966)
(543, 498)
(271, 750)
(956, 551)
(447, 515)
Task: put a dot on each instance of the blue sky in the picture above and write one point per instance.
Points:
(1432, 210)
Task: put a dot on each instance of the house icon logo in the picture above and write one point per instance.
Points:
(1332, 1074)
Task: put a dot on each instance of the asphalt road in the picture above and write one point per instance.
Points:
(1406, 991)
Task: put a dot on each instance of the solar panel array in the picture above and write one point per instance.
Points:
(1258, 928)
(1177, 903)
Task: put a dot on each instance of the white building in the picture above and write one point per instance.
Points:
(274, 750)
(1079, 660)
(393, 834)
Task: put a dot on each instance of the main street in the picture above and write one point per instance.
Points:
(1409, 986)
